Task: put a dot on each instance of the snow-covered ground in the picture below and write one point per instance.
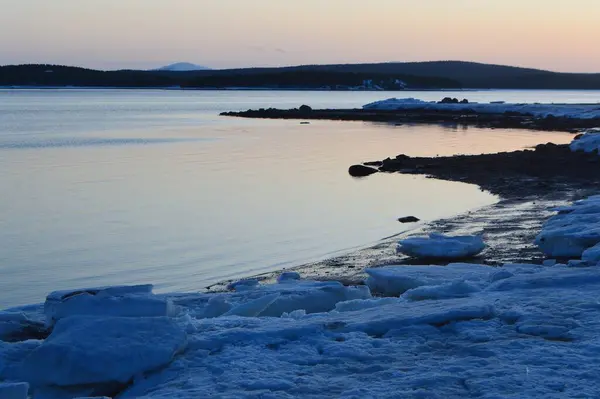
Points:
(456, 331)
(579, 111)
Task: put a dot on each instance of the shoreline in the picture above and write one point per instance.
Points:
(418, 115)
(527, 190)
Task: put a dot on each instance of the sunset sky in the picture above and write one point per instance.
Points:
(559, 35)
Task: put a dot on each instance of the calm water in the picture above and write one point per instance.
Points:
(118, 187)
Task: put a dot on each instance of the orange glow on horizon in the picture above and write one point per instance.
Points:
(549, 34)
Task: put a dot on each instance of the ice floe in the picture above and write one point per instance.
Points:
(439, 246)
(589, 142)
(579, 111)
(572, 231)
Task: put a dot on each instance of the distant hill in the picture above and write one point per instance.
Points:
(389, 76)
(183, 67)
(468, 74)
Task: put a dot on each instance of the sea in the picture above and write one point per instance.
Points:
(112, 186)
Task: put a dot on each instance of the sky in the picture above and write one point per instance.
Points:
(557, 35)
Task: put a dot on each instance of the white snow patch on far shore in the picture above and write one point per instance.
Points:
(578, 111)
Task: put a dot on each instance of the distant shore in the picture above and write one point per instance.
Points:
(427, 116)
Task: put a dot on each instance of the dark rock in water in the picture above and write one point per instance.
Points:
(361, 170)
(374, 163)
(577, 137)
(408, 219)
(305, 108)
(464, 101)
(305, 123)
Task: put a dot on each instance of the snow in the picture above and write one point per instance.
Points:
(579, 111)
(572, 231)
(589, 142)
(14, 390)
(441, 247)
(94, 349)
(591, 255)
(127, 301)
(529, 334)
(456, 331)
(287, 277)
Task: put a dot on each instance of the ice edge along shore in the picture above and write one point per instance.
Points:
(461, 330)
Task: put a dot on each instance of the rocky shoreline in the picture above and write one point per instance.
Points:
(469, 117)
(529, 183)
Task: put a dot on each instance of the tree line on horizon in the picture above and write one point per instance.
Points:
(423, 75)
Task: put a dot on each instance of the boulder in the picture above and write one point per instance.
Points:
(84, 350)
(361, 171)
(448, 100)
(305, 108)
(408, 219)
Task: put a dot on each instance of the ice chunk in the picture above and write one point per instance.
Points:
(288, 276)
(253, 308)
(589, 142)
(396, 280)
(243, 285)
(102, 291)
(360, 304)
(102, 301)
(121, 306)
(16, 326)
(91, 350)
(455, 289)
(569, 234)
(17, 390)
(313, 297)
(216, 306)
(549, 278)
(592, 255)
(441, 246)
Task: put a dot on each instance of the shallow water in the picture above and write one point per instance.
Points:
(134, 186)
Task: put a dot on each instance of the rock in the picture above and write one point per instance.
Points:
(464, 101)
(448, 100)
(305, 123)
(18, 390)
(408, 219)
(305, 108)
(84, 350)
(361, 170)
